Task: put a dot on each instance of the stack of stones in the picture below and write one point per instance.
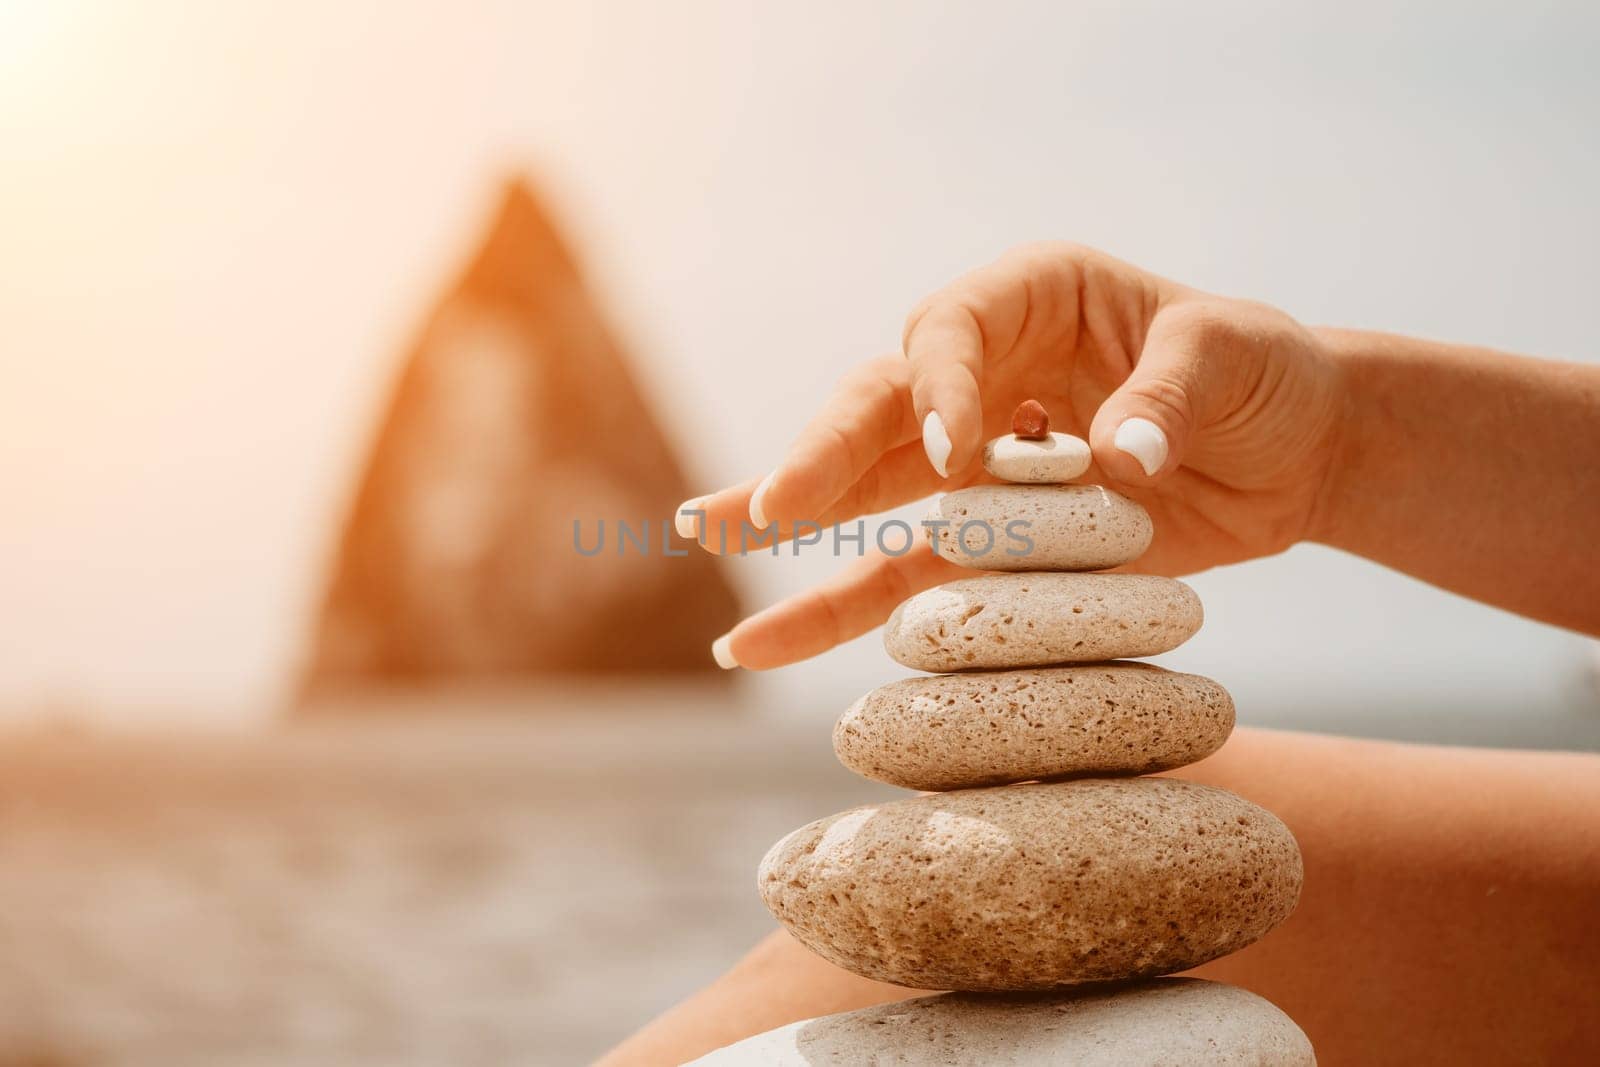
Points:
(1040, 876)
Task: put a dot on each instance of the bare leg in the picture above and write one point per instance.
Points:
(779, 981)
(1451, 912)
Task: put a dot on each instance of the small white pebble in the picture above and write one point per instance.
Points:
(1060, 457)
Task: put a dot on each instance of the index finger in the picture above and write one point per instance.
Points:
(977, 318)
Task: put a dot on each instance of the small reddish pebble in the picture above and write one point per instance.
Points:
(1030, 421)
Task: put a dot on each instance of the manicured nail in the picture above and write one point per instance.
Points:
(685, 523)
(1144, 441)
(758, 514)
(936, 442)
(723, 653)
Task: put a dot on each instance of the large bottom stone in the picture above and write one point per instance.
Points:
(1165, 1021)
(1035, 886)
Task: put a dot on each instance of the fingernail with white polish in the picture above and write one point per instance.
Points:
(936, 442)
(722, 652)
(1144, 441)
(758, 515)
(684, 523)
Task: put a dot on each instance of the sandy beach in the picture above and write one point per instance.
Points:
(471, 888)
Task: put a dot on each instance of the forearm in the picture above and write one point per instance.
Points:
(1473, 470)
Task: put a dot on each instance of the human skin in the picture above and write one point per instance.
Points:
(1471, 469)
(1448, 914)
(1449, 904)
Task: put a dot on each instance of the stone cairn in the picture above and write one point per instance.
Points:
(1040, 877)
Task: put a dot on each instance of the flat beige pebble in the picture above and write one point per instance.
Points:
(1057, 458)
(957, 731)
(1167, 1021)
(1038, 528)
(1039, 620)
(1035, 886)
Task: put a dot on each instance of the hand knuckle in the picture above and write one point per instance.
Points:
(923, 309)
(1169, 397)
(1202, 325)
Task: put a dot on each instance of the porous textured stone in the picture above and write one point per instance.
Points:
(1038, 620)
(1057, 458)
(957, 731)
(1035, 886)
(1038, 528)
(1166, 1021)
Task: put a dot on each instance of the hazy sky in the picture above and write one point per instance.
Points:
(219, 224)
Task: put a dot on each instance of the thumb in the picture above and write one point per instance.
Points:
(1143, 430)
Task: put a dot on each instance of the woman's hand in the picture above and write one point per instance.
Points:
(1218, 415)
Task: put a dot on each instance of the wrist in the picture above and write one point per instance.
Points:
(1349, 442)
